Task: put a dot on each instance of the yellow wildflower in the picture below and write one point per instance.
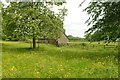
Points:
(13, 68)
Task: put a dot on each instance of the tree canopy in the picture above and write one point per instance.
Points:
(31, 20)
(0, 20)
(105, 20)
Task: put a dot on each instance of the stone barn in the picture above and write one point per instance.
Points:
(61, 41)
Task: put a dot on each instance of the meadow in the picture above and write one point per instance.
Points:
(75, 60)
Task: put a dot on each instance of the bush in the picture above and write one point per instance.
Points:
(83, 44)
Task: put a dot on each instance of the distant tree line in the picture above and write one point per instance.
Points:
(72, 38)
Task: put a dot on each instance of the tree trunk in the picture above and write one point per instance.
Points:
(34, 42)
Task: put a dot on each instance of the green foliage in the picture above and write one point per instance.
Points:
(83, 44)
(72, 38)
(32, 20)
(96, 36)
(0, 20)
(49, 61)
(104, 18)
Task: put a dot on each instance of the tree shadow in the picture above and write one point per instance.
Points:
(20, 50)
(65, 54)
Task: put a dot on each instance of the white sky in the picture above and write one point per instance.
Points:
(74, 23)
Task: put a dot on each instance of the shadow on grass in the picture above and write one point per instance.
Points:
(54, 52)
(14, 49)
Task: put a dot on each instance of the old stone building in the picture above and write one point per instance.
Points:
(60, 41)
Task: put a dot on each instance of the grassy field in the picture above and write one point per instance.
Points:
(76, 60)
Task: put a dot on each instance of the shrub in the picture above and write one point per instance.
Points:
(83, 44)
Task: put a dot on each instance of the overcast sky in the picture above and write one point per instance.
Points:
(74, 23)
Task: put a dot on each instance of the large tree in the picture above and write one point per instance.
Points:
(105, 19)
(31, 20)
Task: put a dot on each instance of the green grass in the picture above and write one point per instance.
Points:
(72, 61)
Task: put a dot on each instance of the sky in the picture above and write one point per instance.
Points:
(74, 23)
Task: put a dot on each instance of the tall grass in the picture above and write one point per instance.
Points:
(48, 61)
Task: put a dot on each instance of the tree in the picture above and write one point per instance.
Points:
(72, 38)
(31, 20)
(104, 18)
(96, 36)
(0, 20)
